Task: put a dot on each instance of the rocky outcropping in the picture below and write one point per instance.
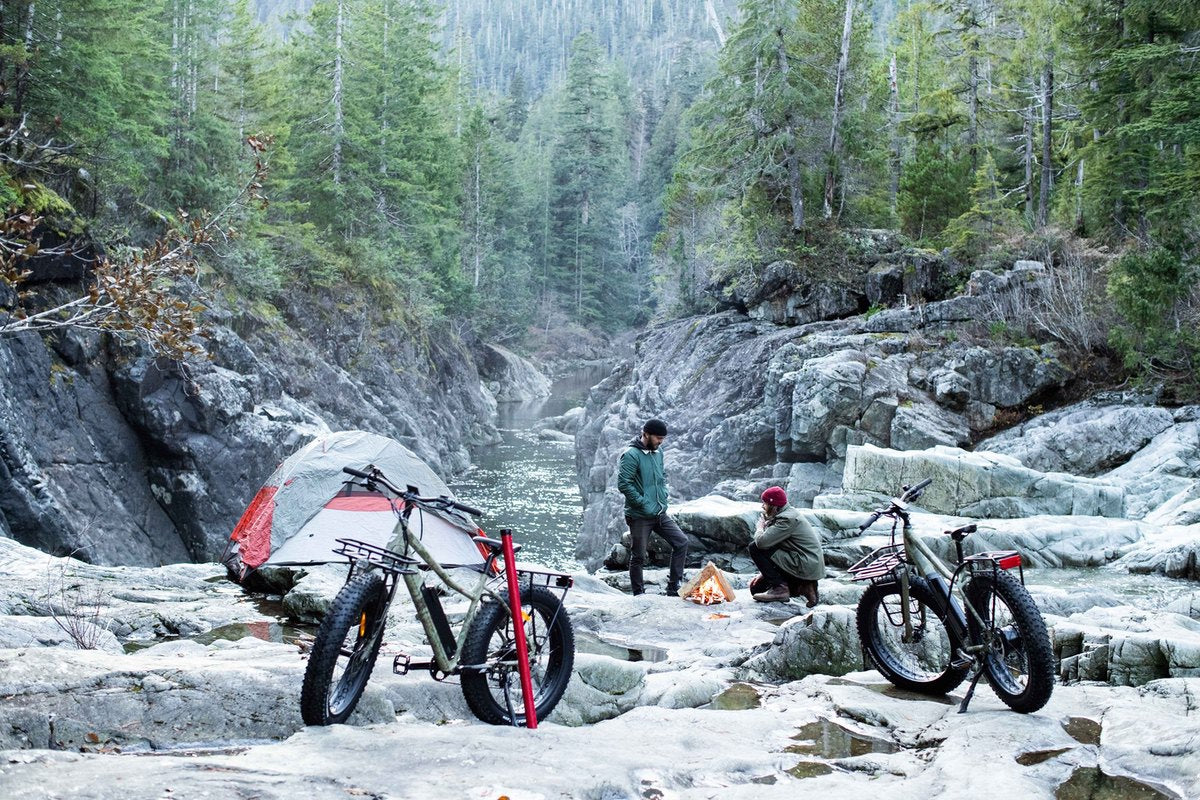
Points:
(120, 458)
(758, 401)
(509, 377)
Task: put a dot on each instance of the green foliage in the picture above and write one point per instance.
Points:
(1153, 292)
(987, 220)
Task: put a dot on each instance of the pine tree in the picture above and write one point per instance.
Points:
(586, 272)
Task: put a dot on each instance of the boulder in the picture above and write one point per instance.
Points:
(1161, 478)
(1126, 646)
(823, 641)
(510, 377)
(1083, 439)
(982, 485)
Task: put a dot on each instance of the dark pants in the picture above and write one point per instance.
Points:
(772, 574)
(664, 526)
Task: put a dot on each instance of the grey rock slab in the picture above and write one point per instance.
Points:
(689, 753)
(1127, 646)
(230, 691)
(1173, 551)
(1082, 439)
(133, 603)
(822, 641)
(982, 485)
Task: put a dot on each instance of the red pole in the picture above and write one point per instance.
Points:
(514, 603)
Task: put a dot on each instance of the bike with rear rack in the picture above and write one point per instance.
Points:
(509, 674)
(927, 627)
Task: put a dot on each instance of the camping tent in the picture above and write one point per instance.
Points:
(307, 503)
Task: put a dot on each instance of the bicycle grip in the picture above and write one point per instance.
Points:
(474, 512)
(356, 473)
(913, 491)
(870, 521)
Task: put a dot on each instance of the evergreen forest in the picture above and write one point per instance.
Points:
(517, 169)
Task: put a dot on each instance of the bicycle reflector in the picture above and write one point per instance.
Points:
(1004, 559)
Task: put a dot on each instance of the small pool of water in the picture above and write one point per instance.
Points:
(738, 697)
(827, 739)
(1093, 783)
(588, 642)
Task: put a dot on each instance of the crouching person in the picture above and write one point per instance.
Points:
(787, 552)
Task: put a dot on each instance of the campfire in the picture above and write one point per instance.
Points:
(709, 587)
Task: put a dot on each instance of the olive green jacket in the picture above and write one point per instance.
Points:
(642, 479)
(799, 546)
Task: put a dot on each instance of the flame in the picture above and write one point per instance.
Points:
(708, 592)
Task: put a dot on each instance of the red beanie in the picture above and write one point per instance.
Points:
(775, 497)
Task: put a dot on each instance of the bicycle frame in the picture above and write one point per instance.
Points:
(445, 645)
(941, 579)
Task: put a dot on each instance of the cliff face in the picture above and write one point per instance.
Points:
(121, 458)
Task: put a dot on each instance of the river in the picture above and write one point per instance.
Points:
(528, 483)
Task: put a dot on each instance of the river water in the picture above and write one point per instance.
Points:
(527, 483)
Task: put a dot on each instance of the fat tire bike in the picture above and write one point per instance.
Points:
(926, 637)
(484, 652)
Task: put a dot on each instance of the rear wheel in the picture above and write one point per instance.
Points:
(1019, 658)
(494, 692)
(920, 660)
(344, 651)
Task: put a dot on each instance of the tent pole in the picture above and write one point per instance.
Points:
(514, 604)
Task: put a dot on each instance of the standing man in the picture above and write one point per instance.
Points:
(787, 552)
(643, 482)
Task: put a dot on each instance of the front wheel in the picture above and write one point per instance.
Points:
(344, 651)
(493, 691)
(917, 658)
(1018, 657)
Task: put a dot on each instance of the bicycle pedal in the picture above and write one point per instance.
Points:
(403, 664)
(962, 661)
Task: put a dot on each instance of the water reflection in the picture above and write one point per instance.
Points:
(528, 483)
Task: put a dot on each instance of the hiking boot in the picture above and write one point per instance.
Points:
(672, 590)
(795, 586)
(776, 594)
(756, 584)
(810, 594)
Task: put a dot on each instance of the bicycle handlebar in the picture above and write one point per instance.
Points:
(910, 493)
(376, 476)
(913, 492)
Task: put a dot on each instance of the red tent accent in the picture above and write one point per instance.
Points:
(253, 531)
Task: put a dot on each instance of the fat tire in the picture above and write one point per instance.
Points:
(324, 700)
(1032, 648)
(873, 623)
(554, 657)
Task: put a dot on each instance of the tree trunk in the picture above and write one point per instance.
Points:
(973, 88)
(835, 136)
(715, 21)
(383, 100)
(1047, 133)
(1079, 199)
(1027, 153)
(477, 244)
(894, 123)
(795, 183)
(338, 116)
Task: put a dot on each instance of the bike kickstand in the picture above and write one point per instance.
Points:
(962, 707)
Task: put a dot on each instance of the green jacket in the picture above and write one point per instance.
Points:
(643, 481)
(799, 546)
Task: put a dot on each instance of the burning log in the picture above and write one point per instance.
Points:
(708, 587)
